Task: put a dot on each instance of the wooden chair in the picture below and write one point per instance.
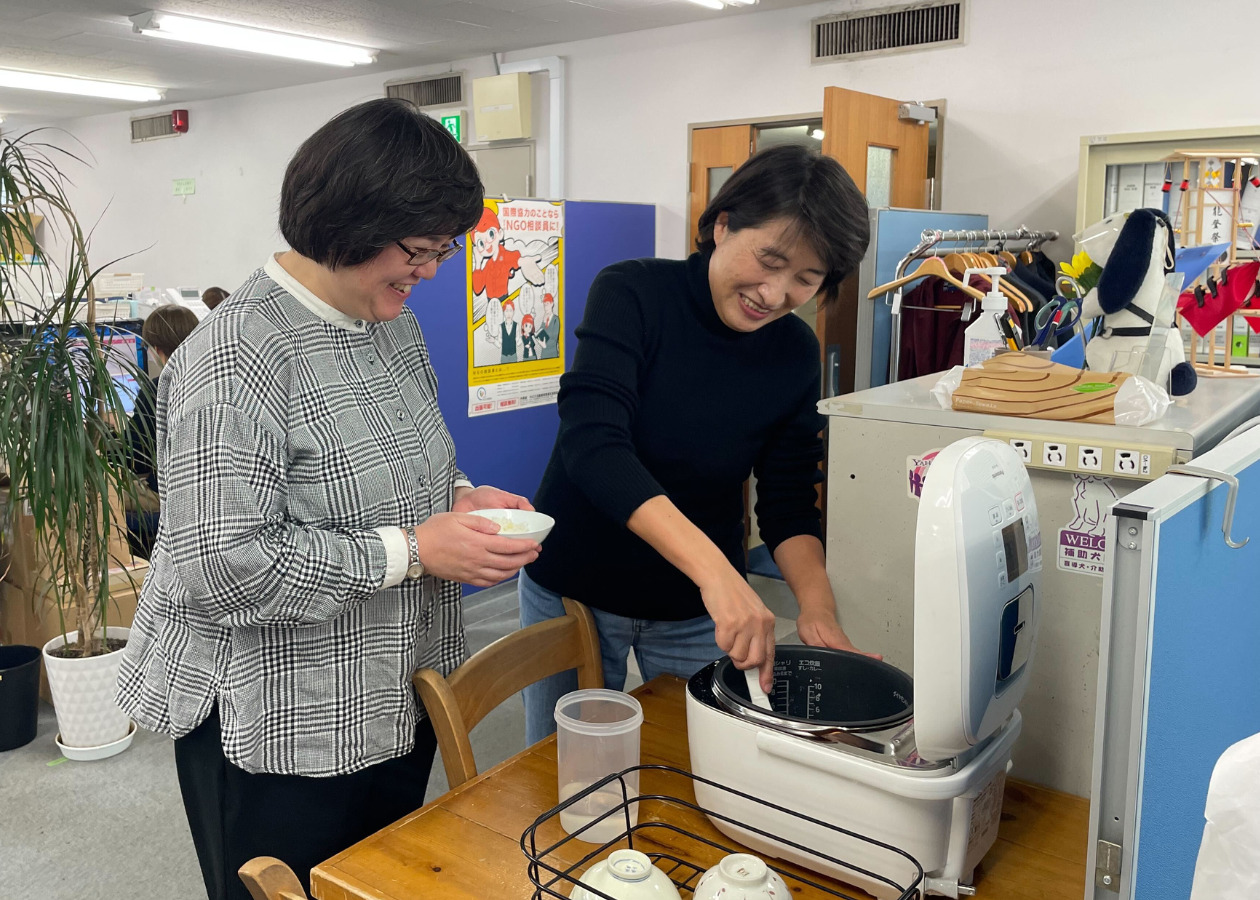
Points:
(458, 702)
(267, 878)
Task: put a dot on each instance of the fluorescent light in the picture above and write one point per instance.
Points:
(711, 4)
(62, 84)
(252, 40)
(742, 2)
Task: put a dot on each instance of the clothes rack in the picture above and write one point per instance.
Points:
(929, 241)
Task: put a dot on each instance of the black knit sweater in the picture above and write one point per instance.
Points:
(663, 398)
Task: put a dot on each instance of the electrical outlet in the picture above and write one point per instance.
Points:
(1088, 455)
(1127, 462)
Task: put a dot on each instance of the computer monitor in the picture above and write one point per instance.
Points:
(125, 354)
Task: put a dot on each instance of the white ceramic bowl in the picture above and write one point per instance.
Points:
(519, 523)
(741, 876)
(626, 875)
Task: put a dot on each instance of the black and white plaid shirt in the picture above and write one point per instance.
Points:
(292, 443)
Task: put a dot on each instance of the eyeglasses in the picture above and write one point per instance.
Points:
(426, 256)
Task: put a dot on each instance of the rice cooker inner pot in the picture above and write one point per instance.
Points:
(825, 688)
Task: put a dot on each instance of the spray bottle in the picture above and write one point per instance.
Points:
(984, 337)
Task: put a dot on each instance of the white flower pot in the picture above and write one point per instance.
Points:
(83, 694)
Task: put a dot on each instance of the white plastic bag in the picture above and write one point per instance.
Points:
(944, 389)
(1139, 402)
(1229, 856)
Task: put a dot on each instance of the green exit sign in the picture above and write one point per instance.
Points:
(185, 186)
(454, 123)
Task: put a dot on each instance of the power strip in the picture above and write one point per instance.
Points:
(1114, 459)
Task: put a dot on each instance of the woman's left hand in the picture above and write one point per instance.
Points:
(486, 497)
(820, 629)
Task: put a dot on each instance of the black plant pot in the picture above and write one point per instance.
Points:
(19, 695)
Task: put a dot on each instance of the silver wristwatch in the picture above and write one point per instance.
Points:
(415, 568)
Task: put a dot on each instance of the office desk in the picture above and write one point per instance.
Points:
(466, 844)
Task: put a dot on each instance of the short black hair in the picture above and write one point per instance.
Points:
(167, 327)
(794, 183)
(213, 296)
(374, 174)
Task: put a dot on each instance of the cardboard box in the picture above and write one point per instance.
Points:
(25, 568)
(24, 248)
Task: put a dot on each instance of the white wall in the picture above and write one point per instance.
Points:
(1033, 77)
(237, 149)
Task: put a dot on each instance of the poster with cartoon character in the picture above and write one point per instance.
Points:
(515, 306)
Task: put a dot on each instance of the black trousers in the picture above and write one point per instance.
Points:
(235, 816)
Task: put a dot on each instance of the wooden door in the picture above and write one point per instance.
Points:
(887, 158)
(715, 154)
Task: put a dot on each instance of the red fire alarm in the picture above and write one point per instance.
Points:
(179, 121)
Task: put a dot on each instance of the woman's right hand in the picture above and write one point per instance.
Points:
(745, 627)
(468, 549)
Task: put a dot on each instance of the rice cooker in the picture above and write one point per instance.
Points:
(916, 764)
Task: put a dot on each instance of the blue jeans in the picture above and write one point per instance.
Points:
(677, 648)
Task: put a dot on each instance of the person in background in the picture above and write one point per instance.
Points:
(315, 526)
(213, 296)
(689, 376)
(164, 330)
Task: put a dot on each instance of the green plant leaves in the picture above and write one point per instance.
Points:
(61, 409)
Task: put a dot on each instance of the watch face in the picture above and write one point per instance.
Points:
(415, 570)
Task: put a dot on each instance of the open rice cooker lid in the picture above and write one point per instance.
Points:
(977, 576)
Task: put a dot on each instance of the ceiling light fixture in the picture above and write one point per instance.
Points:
(711, 4)
(251, 40)
(64, 84)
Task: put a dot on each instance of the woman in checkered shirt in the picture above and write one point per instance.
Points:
(315, 526)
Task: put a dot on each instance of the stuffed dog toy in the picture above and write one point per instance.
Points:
(1127, 296)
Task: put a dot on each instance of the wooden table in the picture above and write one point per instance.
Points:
(466, 844)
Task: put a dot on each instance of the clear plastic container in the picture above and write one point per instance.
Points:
(597, 734)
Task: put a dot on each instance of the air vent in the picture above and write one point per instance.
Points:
(894, 29)
(442, 90)
(152, 127)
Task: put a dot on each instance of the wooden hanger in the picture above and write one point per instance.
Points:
(1008, 257)
(933, 265)
(957, 263)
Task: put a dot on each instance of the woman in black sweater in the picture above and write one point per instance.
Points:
(690, 375)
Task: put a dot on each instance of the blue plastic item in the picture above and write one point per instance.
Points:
(1194, 261)
(1071, 353)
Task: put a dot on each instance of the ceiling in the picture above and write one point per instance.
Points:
(93, 39)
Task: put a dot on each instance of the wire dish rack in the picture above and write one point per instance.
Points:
(676, 834)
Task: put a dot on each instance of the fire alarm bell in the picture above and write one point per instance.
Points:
(179, 121)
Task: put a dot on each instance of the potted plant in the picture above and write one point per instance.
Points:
(61, 413)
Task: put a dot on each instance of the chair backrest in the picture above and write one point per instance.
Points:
(267, 878)
(458, 702)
